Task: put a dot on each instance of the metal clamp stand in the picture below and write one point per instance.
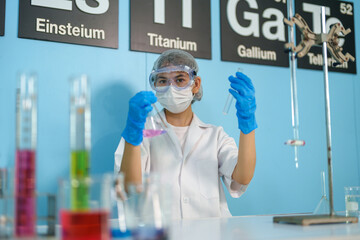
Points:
(325, 40)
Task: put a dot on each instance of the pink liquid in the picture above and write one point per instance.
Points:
(87, 225)
(148, 133)
(25, 207)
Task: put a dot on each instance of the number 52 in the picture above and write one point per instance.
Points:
(102, 7)
(346, 9)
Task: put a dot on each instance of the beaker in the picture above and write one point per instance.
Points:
(80, 137)
(46, 214)
(119, 228)
(26, 136)
(92, 222)
(352, 201)
(156, 125)
(229, 99)
(145, 209)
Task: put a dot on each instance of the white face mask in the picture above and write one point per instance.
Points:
(176, 101)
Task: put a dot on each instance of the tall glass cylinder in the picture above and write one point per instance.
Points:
(80, 139)
(25, 163)
(5, 204)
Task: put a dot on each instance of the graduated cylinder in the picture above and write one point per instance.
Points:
(25, 163)
(80, 139)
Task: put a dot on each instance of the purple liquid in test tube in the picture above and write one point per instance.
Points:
(25, 163)
(25, 193)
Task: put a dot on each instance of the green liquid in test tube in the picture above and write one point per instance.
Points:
(79, 169)
(80, 141)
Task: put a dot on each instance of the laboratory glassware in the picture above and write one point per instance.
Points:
(3, 196)
(47, 218)
(295, 142)
(145, 209)
(91, 223)
(352, 201)
(155, 128)
(323, 206)
(120, 228)
(25, 164)
(80, 138)
(229, 99)
(6, 203)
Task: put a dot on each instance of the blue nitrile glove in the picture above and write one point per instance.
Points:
(244, 93)
(139, 107)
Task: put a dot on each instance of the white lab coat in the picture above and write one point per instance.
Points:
(194, 173)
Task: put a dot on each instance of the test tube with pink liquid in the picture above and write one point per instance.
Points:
(25, 163)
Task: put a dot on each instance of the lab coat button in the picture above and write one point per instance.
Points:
(186, 200)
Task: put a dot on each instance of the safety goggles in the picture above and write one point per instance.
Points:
(180, 77)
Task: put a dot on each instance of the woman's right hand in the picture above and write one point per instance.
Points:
(244, 92)
(139, 107)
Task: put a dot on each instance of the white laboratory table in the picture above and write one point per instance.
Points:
(253, 228)
(258, 227)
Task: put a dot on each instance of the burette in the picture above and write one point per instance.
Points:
(295, 142)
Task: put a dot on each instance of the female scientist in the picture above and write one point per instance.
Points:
(199, 154)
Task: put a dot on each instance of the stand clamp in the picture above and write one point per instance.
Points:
(309, 39)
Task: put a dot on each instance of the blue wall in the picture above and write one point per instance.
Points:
(116, 75)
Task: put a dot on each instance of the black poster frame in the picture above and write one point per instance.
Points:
(2, 17)
(148, 34)
(313, 60)
(255, 46)
(74, 25)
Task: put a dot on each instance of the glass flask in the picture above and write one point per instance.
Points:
(323, 207)
(156, 126)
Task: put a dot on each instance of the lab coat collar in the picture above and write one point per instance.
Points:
(195, 130)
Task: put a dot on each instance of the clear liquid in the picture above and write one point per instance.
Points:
(352, 203)
(149, 133)
(25, 208)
